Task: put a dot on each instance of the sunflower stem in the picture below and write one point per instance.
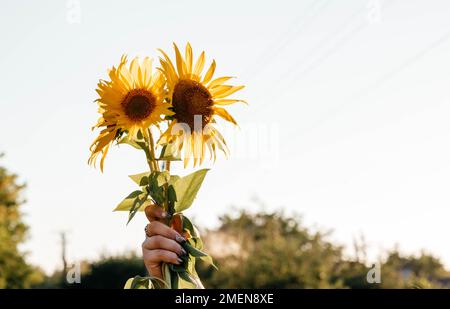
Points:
(150, 164)
(149, 160)
(152, 150)
(167, 166)
(166, 186)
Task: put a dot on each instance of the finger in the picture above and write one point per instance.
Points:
(152, 257)
(158, 228)
(154, 269)
(155, 213)
(161, 242)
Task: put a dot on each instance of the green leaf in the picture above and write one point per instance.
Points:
(194, 252)
(177, 268)
(183, 284)
(144, 181)
(173, 179)
(187, 188)
(158, 283)
(139, 135)
(138, 177)
(162, 177)
(171, 194)
(125, 205)
(191, 267)
(167, 275)
(134, 194)
(169, 154)
(140, 283)
(137, 204)
(190, 270)
(182, 266)
(174, 280)
(156, 190)
(187, 225)
(197, 243)
(149, 282)
(185, 276)
(128, 141)
(128, 202)
(127, 285)
(209, 261)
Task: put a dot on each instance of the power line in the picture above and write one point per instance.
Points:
(298, 27)
(383, 79)
(330, 52)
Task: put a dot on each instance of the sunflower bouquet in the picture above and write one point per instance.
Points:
(170, 114)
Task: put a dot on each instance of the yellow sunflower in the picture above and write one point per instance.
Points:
(196, 100)
(131, 101)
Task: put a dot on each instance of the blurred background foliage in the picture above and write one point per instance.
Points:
(14, 271)
(275, 251)
(252, 250)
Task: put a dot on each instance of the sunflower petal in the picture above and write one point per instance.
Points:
(195, 140)
(188, 56)
(147, 65)
(220, 142)
(219, 81)
(140, 78)
(187, 149)
(203, 154)
(134, 65)
(224, 114)
(224, 92)
(220, 89)
(104, 153)
(101, 145)
(209, 143)
(169, 62)
(168, 72)
(199, 64)
(209, 74)
(126, 77)
(228, 101)
(181, 65)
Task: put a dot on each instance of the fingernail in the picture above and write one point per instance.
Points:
(179, 260)
(163, 214)
(183, 252)
(179, 238)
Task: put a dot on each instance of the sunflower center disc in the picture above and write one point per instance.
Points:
(138, 104)
(191, 98)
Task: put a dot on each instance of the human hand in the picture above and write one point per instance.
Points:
(161, 244)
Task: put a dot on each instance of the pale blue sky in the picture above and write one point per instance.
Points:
(356, 102)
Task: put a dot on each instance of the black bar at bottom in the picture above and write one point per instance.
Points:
(223, 298)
